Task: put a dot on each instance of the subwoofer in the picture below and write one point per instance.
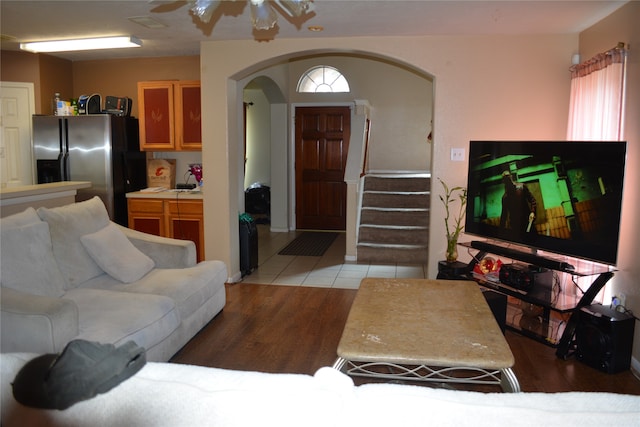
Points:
(604, 338)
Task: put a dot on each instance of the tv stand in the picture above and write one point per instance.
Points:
(516, 254)
(544, 312)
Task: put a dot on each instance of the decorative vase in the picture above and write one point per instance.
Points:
(452, 249)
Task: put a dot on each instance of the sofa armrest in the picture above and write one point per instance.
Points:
(37, 324)
(164, 251)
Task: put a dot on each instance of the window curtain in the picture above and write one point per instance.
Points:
(596, 110)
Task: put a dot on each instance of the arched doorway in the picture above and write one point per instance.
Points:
(282, 70)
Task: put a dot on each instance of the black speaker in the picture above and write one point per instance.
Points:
(604, 338)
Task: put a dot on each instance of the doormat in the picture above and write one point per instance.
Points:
(309, 243)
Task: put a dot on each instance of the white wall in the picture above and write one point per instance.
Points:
(401, 103)
(258, 166)
(485, 87)
(622, 26)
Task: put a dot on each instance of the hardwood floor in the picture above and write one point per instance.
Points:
(272, 328)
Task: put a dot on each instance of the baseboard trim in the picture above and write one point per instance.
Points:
(407, 173)
(237, 277)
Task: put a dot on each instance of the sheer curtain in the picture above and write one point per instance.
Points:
(596, 110)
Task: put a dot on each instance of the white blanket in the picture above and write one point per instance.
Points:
(172, 395)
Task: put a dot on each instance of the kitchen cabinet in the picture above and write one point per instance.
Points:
(168, 216)
(170, 115)
(184, 220)
(146, 215)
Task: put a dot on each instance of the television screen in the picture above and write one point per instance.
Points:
(563, 197)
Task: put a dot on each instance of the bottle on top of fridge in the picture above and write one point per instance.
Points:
(57, 104)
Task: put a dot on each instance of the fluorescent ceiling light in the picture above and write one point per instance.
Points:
(82, 44)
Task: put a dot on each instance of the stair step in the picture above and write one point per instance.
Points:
(393, 182)
(396, 199)
(394, 216)
(408, 254)
(393, 234)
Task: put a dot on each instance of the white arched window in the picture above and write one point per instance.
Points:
(322, 79)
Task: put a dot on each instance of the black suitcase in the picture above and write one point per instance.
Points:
(248, 246)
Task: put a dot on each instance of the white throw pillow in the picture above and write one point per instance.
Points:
(26, 217)
(67, 224)
(116, 255)
(28, 264)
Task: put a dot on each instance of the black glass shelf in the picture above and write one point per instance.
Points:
(556, 304)
(552, 262)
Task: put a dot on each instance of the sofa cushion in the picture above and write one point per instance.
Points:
(67, 224)
(28, 264)
(26, 217)
(145, 319)
(187, 287)
(116, 255)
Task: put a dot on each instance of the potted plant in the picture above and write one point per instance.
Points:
(451, 195)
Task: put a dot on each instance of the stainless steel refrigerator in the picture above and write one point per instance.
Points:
(103, 149)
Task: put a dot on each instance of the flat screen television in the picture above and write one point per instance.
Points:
(564, 197)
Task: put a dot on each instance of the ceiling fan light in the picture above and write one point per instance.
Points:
(294, 7)
(82, 44)
(204, 9)
(263, 16)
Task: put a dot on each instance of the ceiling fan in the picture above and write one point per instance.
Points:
(263, 12)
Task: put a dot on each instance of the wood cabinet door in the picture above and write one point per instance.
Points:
(156, 111)
(188, 124)
(146, 216)
(185, 222)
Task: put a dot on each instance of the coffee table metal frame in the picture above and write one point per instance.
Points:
(505, 378)
(376, 331)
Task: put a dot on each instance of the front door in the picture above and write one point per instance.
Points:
(322, 143)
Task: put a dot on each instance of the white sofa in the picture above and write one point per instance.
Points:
(172, 395)
(70, 273)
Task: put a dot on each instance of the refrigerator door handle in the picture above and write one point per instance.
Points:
(65, 151)
(61, 158)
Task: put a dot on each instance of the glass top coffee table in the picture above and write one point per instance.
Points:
(425, 330)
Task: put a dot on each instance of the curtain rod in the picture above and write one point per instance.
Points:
(619, 46)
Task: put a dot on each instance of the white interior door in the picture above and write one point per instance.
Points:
(16, 158)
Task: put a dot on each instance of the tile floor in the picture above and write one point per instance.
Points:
(329, 270)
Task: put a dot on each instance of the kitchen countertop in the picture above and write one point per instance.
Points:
(38, 189)
(16, 199)
(166, 194)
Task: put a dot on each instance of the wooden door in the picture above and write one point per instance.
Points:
(322, 143)
(16, 109)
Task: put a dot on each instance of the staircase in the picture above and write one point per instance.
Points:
(394, 219)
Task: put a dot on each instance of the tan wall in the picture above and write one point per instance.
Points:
(56, 75)
(25, 67)
(119, 77)
(47, 73)
(622, 26)
(116, 77)
(485, 87)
